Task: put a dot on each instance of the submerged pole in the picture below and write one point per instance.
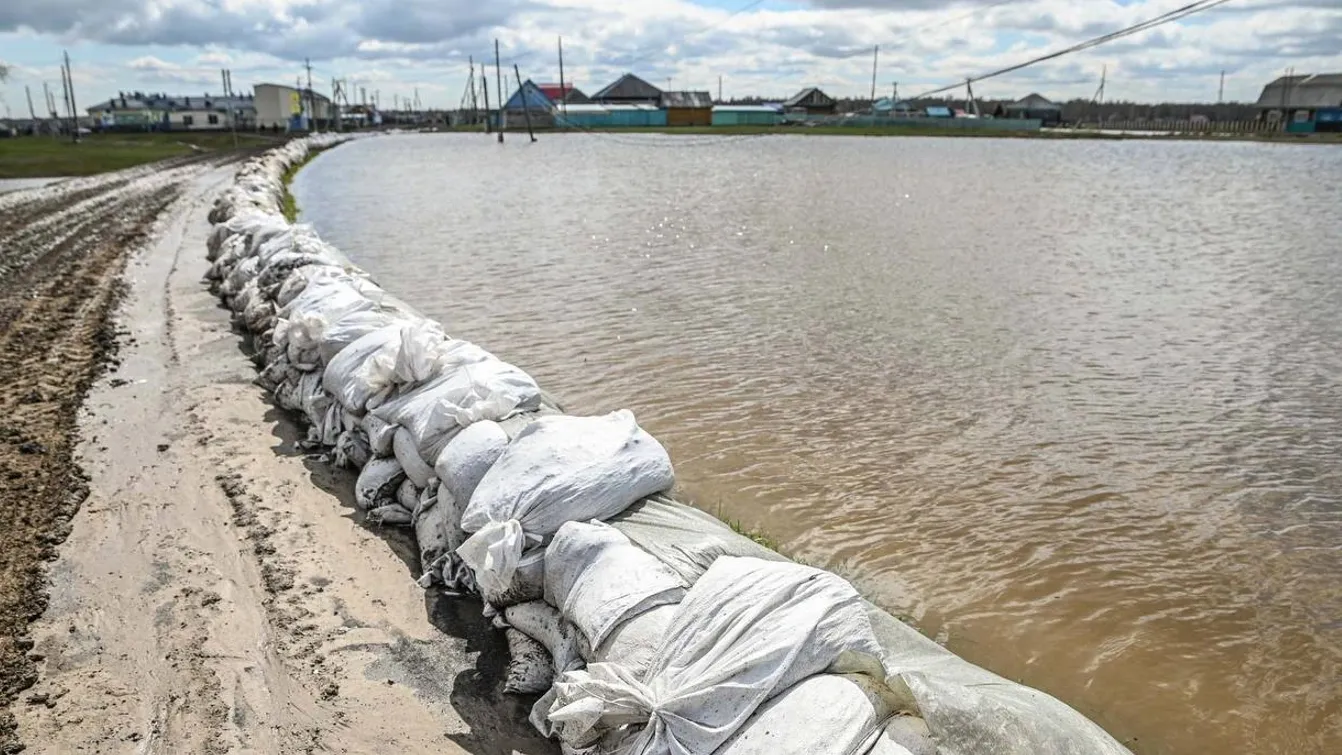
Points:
(498, 82)
(526, 109)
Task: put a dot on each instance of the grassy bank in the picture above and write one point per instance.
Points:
(43, 156)
(289, 205)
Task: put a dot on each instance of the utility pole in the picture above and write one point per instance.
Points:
(227, 77)
(312, 102)
(484, 88)
(563, 93)
(32, 116)
(526, 108)
(470, 91)
(1221, 93)
(875, 58)
(498, 83)
(719, 87)
(51, 110)
(74, 109)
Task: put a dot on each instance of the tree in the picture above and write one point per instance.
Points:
(4, 73)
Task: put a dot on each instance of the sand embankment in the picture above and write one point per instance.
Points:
(209, 597)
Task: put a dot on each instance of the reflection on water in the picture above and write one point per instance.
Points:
(1072, 407)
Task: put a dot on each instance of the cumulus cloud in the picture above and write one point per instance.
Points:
(764, 50)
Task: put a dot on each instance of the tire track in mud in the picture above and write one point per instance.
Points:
(61, 259)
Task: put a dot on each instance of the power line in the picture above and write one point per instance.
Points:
(1160, 20)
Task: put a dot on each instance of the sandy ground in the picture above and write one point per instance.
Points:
(219, 591)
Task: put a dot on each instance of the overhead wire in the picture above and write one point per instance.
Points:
(1181, 12)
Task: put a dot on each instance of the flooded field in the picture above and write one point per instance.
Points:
(1074, 408)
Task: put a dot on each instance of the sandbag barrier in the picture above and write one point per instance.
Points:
(646, 626)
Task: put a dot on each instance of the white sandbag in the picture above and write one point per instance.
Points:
(527, 584)
(392, 515)
(427, 353)
(633, 642)
(403, 448)
(363, 369)
(407, 496)
(351, 449)
(541, 622)
(904, 735)
(437, 531)
(436, 411)
(826, 714)
(238, 277)
(468, 456)
(747, 630)
(597, 578)
(970, 710)
(684, 538)
(380, 435)
(530, 671)
(352, 326)
(559, 469)
(378, 483)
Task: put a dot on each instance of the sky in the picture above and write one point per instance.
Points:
(770, 48)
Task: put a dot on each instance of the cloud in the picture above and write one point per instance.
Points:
(401, 44)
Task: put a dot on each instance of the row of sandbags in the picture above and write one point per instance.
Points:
(645, 626)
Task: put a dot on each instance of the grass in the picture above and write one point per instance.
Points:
(289, 205)
(758, 536)
(45, 157)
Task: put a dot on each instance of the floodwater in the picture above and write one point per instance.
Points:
(1073, 408)
(18, 184)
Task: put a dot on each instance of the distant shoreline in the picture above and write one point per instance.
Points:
(933, 131)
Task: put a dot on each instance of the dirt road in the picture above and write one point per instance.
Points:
(218, 591)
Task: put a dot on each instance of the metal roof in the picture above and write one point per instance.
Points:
(529, 97)
(1308, 91)
(745, 109)
(628, 87)
(811, 96)
(687, 100)
(1034, 101)
(172, 103)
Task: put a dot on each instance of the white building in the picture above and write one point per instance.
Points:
(279, 106)
(137, 110)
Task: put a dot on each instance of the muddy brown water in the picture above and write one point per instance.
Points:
(1073, 408)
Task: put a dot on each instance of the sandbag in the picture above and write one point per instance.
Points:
(363, 369)
(378, 483)
(530, 671)
(541, 622)
(904, 735)
(597, 578)
(747, 630)
(437, 531)
(559, 469)
(435, 411)
(633, 642)
(352, 326)
(403, 448)
(407, 496)
(351, 449)
(380, 435)
(684, 538)
(826, 714)
(427, 353)
(391, 515)
(468, 456)
(970, 710)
